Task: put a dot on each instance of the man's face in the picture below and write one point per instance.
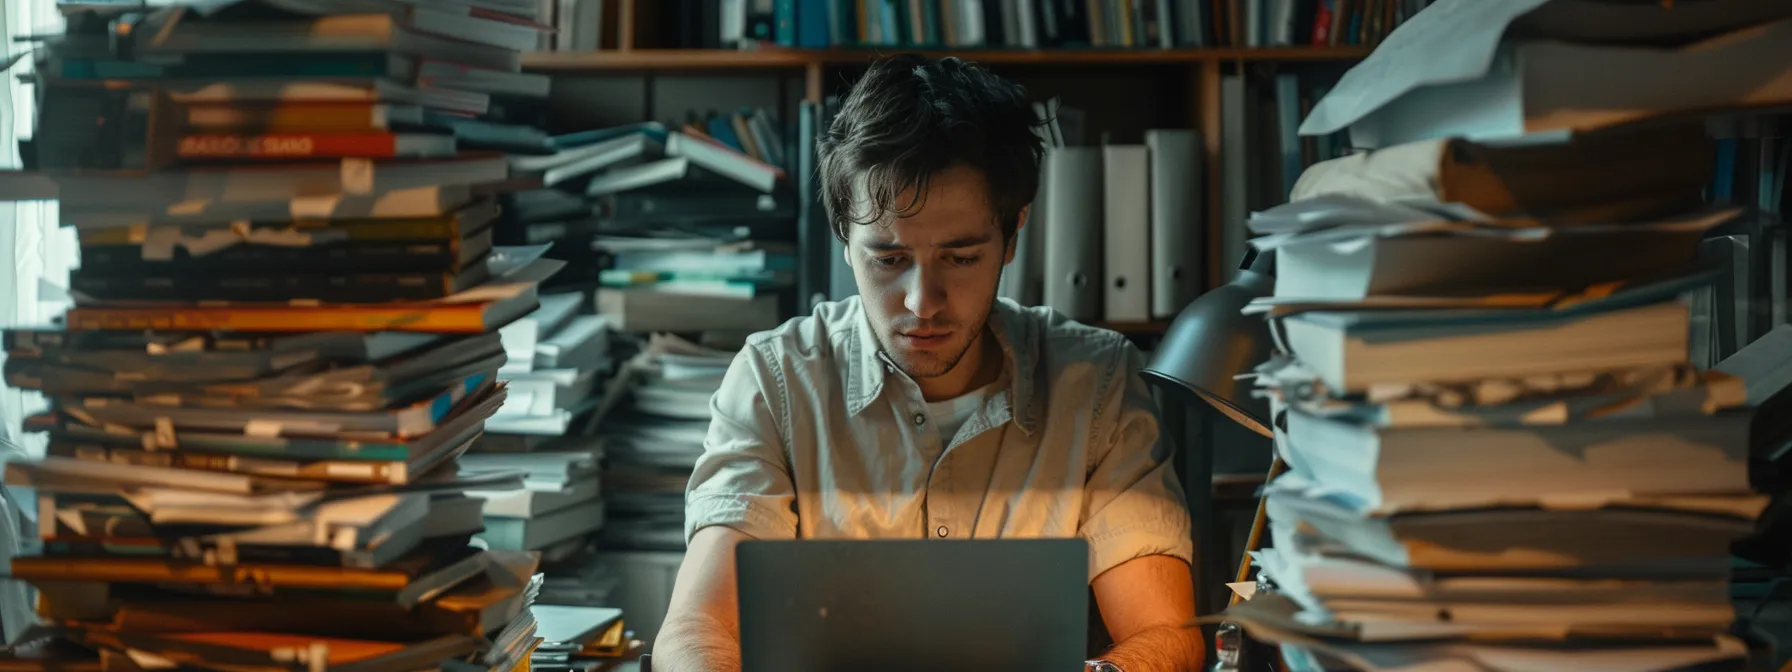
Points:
(928, 280)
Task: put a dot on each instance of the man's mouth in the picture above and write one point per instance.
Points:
(923, 337)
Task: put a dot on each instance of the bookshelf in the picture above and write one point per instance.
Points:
(1190, 75)
(652, 60)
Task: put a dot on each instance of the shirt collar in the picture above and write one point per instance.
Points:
(1017, 336)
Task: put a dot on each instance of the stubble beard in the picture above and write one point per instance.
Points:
(925, 365)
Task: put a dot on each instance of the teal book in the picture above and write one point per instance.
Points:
(297, 65)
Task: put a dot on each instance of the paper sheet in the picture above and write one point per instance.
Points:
(1451, 41)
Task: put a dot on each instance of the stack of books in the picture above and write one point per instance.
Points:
(556, 360)
(684, 282)
(716, 184)
(655, 440)
(1500, 452)
(684, 231)
(653, 418)
(555, 357)
(285, 334)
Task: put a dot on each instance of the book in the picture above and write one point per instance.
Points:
(307, 211)
(1354, 350)
(280, 181)
(1441, 258)
(407, 35)
(347, 116)
(1624, 175)
(407, 582)
(308, 145)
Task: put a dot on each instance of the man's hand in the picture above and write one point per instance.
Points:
(702, 628)
(1145, 603)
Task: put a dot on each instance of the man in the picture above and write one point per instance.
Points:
(925, 407)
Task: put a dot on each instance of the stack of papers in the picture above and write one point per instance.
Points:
(1503, 452)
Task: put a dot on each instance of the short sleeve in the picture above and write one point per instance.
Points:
(742, 481)
(1133, 504)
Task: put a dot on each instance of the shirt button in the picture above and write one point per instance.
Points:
(941, 531)
(920, 419)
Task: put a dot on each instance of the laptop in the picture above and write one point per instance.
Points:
(939, 605)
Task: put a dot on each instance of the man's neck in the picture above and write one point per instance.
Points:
(980, 366)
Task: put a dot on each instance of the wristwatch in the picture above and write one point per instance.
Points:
(1100, 666)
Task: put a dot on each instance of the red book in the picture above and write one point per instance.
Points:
(1322, 24)
(373, 145)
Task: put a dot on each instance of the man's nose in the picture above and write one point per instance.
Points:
(926, 291)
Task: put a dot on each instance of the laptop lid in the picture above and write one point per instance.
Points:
(937, 605)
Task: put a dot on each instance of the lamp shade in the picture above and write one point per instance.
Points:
(1212, 342)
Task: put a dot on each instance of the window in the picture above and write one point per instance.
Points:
(34, 251)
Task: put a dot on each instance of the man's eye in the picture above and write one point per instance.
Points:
(888, 261)
(964, 261)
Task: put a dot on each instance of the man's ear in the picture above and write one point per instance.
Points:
(1008, 254)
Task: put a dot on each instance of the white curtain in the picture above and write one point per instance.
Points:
(35, 256)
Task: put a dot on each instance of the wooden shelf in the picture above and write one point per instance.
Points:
(714, 59)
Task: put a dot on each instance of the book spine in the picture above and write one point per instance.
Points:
(289, 118)
(813, 28)
(287, 145)
(239, 65)
(393, 257)
(257, 288)
(784, 18)
(1322, 24)
(456, 319)
(761, 21)
(336, 471)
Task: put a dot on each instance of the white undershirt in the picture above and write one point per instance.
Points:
(949, 415)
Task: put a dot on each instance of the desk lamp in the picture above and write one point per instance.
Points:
(1212, 342)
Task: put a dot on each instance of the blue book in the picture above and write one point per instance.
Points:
(652, 129)
(1288, 113)
(300, 65)
(784, 22)
(846, 23)
(1723, 180)
(812, 24)
(892, 24)
(721, 127)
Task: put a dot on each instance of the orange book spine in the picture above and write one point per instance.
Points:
(460, 319)
(287, 145)
(288, 117)
(156, 570)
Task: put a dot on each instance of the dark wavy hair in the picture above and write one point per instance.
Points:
(911, 117)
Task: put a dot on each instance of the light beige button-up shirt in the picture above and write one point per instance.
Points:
(816, 435)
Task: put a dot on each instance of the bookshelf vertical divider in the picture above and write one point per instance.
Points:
(1204, 102)
(813, 88)
(625, 26)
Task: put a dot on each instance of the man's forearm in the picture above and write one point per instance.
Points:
(695, 643)
(1160, 649)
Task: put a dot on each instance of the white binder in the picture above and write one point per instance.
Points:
(1126, 233)
(1177, 248)
(1073, 233)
